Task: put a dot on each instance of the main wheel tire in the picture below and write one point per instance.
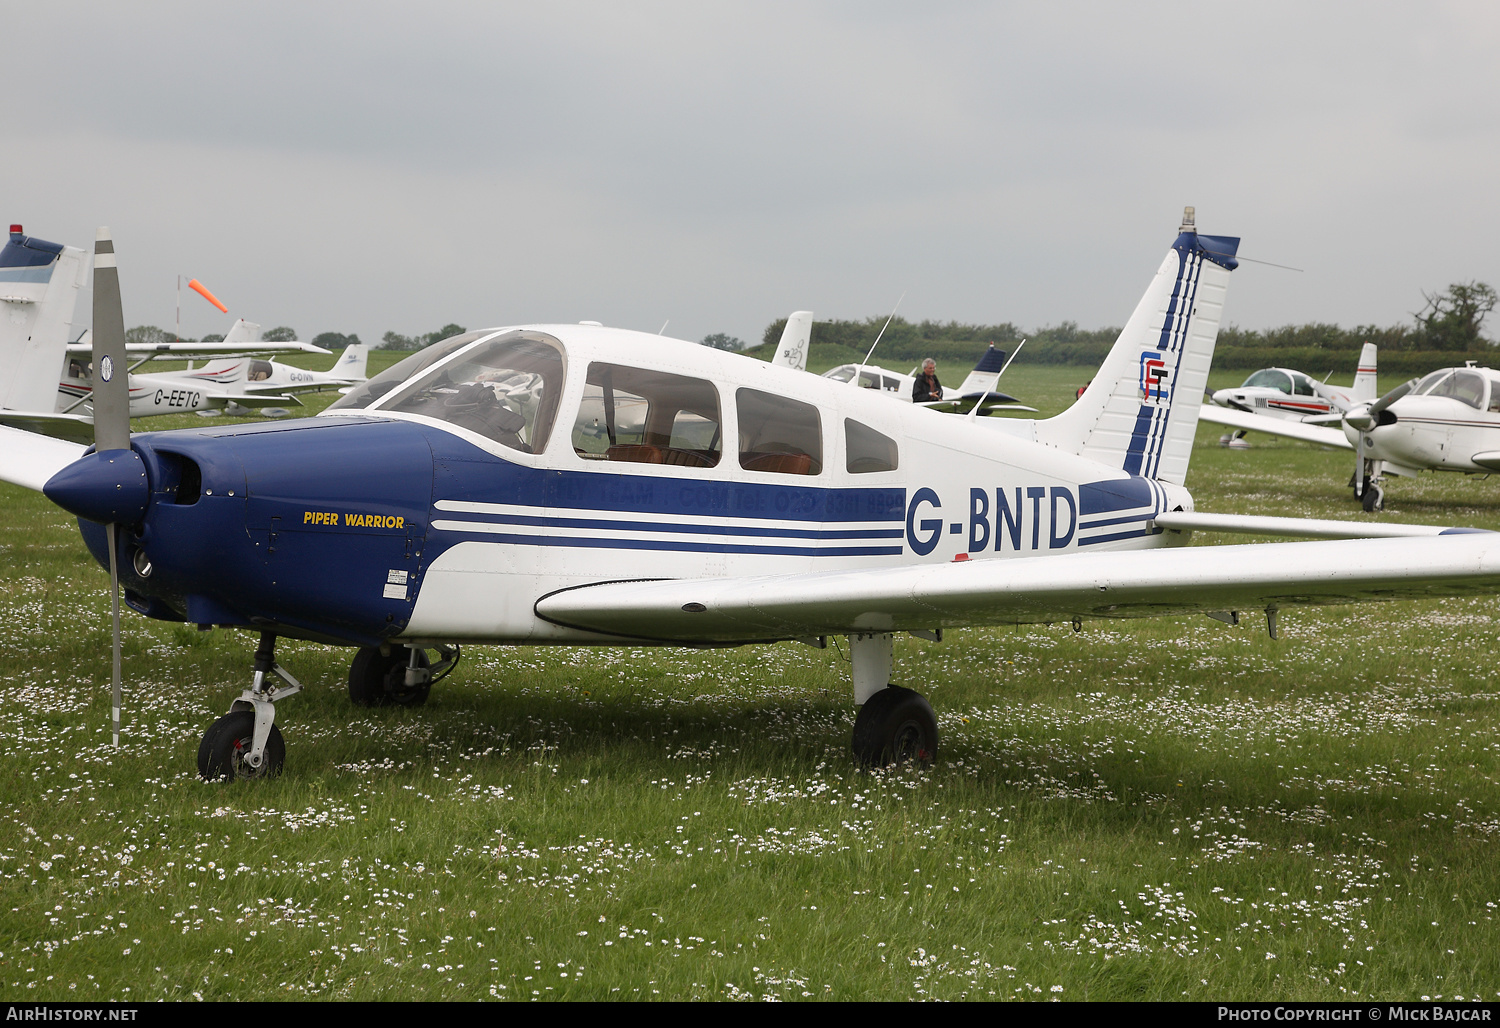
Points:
(895, 726)
(378, 680)
(1374, 498)
(222, 753)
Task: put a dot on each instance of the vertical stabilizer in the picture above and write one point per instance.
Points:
(791, 351)
(39, 283)
(1364, 390)
(352, 362)
(1140, 412)
(985, 374)
(243, 331)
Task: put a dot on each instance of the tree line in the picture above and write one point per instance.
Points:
(1450, 323)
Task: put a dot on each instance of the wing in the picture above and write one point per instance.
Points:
(29, 459)
(1275, 426)
(182, 351)
(1085, 586)
(1303, 528)
(75, 428)
(297, 387)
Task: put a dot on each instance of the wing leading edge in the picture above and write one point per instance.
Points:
(1086, 586)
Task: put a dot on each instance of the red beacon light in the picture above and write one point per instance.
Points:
(15, 230)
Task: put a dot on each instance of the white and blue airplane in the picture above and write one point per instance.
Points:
(580, 485)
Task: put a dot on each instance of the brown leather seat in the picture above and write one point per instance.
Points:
(778, 463)
(635, 453)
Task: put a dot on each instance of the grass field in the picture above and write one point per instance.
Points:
(1152, 810)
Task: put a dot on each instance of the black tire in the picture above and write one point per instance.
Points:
(1374, 498)
(895, 726)
(376, 680)
(221, 754)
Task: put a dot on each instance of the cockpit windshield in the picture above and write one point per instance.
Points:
(1467, 387)
(402, 371)
(506, 389)
(1270, 378)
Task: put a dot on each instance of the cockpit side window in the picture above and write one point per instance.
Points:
(260, 371)
(368, 392)
(1464, 386)
(779, 435)
(867, 450)
(506, 389)
(647, 417)
(1302, 386)
(1270, 378)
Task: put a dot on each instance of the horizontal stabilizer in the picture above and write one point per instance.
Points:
(29, 460)
(1275, 426)
(76, 428)
(1119, 584)
(1299, 528)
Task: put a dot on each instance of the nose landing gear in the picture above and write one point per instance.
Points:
(245, 743)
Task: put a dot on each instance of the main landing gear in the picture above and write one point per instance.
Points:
(399, 676)
(245, 743)
(895, 725)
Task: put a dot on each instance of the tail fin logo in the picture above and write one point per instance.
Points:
(1153, 381)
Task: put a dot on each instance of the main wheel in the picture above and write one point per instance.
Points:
(226, 744)
(378, 680)
(894, 726)
(1374, 498)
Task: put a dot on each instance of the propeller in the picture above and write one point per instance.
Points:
(1362, 419)
(111, 400)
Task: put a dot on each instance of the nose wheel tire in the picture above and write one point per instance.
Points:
(226, 744)
(895, 726)
(1374, 498)
(379, 680)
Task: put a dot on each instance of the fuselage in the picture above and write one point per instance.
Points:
(440, 502)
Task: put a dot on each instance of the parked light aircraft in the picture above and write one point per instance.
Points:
(1293, 396)
(46, 379)
(978, 388)
(579, 485)
(1448, 420)
(224, 383)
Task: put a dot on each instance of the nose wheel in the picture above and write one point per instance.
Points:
(245, 743)
(895, 726)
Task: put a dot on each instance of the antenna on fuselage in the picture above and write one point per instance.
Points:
(854, 378)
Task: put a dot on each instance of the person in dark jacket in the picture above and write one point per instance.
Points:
(927, 387)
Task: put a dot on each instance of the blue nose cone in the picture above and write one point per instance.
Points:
(109, 487)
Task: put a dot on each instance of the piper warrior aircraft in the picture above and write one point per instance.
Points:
(578, 485)
(46, 379)
(1293, 396)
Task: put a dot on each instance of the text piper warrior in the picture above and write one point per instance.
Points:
(581, 485)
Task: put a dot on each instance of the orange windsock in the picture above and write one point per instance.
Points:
(202, 290)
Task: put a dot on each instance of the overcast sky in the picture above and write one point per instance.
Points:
(368, 167)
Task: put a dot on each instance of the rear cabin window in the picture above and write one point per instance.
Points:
(778, 435)
(506, 389)
(647, 417)
(867, 450)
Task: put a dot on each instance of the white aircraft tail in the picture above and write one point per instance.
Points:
(985, 374)
(243, 331)
(39, 283)
(352, 362)
(1364, 390)
(791, 351)
(1140, 412)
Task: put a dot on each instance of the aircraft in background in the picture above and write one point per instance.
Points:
(579, 485)
(1448, 420)
(977, 389)
(46, 380)
(1291, 395)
